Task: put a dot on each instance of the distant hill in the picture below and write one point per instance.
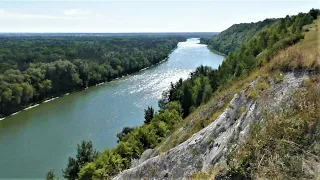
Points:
(231, 38)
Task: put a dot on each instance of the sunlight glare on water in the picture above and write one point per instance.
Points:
(153, 84)
(42, 138)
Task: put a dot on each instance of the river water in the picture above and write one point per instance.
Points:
(42, 138)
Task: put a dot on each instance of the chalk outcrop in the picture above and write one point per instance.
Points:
(210, 145)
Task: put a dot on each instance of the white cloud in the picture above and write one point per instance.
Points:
(74, 12)
(13, 15)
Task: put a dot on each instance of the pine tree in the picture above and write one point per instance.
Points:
(148, 115)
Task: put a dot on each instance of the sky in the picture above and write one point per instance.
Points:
(140, 16)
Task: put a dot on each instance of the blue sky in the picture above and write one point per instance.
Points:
(140, 16)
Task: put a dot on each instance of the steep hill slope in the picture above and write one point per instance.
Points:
(211, 145)
(280, 100)
(219, 107)
(231, 38)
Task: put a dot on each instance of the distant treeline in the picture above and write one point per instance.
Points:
(33, 69)
(153, 34)
(185, 96)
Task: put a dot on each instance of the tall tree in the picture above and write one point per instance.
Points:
(85, 154)
(148, 114)
(186, 99)
(50, 175)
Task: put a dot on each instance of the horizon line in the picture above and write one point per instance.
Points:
(114, 32)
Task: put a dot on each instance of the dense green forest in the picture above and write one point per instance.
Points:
(233, 37)
(251, 55)
(35, 68)
(185, 96)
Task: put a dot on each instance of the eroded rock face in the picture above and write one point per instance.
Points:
(210, 145)
(144, 156)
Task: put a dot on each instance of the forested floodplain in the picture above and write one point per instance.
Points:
(35, 68)
(42, 138)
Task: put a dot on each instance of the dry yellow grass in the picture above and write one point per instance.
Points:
(208, 175)
(303, 55)
(195, 121)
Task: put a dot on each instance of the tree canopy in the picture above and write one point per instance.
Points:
(252, 54)
(184, 96)
(233, 37)
(85, 154)
(148, 114)
(33, 69)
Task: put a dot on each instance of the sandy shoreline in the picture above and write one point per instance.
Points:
(33, 106)
(51, 99)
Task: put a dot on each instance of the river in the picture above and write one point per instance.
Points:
(42, 138)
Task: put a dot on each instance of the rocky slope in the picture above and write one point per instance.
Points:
(210, 145)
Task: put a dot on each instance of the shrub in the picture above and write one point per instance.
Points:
(175, 105)
(278, 78)
(252, 94)
(230, 106)
(125, 131)
(50, 175)
(85, 154)
(262, 85)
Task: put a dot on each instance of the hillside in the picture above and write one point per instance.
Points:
(211, 146)
(231, 38)
(269, 129)
(204, 118)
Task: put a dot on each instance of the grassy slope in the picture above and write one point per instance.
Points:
(207, 113)
(279, 148)
(304, 55)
